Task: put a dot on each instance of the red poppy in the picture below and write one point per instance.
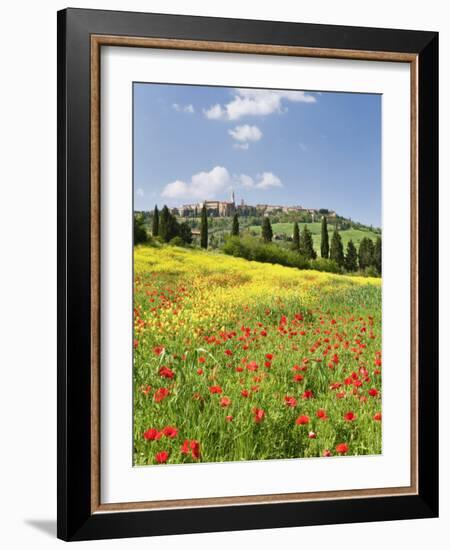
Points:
(308, 394)
(160, 394)
(259, 415)
(245, 393)
(170, 432)
(215, 389)
(200, 371)
(165, 372)
(350, 416)
(252, 366)
(161, 457)
(158, 350)
(201, 359)
(326, 452)
(195, 449)
(228, 352)
(377, 417)
(290, 401)
(269, 356)
(312, 435)
(373, 392)
(225, 401)
(298, 377)
(229, 418)
(321, 413)
(152, 434)
(135, 343)
(342, 448)
(302, 420)
(185, 448)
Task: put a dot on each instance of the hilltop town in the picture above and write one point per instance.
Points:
(221, 209)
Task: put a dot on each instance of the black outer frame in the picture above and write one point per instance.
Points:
(75, 521)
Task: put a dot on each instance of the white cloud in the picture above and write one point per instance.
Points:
(216, 183)
(183, 108)
(203, 185)
(266, 180)
(140, 192)
(176, 190)
(214, 112)
(262, 181)
(249, 102)
(246, 133)
(246, 181)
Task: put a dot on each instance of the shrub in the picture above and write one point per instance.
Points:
(252, 249)
(177, 241)
(234, 247)
(371, 271)
(139, 231)
(325, 264)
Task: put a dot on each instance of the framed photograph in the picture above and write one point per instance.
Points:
(247, 255)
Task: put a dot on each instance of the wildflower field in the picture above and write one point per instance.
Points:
(239, 360)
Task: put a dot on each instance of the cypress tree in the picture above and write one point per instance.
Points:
(164, 222)
(296, 238)
(155, 228)
(186, 233)
(366, 253)
(362, 253)
(204, 228)
(235, 226)
(336, 249)
(324, 244)
(351, 257)
(173, 227)
(306, 247)
(267, 232)
(377, 256)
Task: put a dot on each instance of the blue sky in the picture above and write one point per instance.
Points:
(319, 150)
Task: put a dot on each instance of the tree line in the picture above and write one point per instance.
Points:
(165, 227)
(368, 257)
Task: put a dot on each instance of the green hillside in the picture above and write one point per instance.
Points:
(286, 229)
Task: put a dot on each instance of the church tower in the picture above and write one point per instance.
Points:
(232, 196)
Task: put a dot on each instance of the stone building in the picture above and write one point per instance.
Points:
(215, 208)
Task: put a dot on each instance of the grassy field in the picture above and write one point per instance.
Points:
(237, 360)
(354, 234)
